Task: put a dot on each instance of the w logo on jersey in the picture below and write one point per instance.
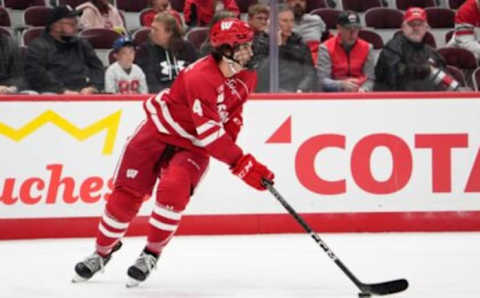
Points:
(226, 25)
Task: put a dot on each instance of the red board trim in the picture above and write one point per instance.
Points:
(255, 224)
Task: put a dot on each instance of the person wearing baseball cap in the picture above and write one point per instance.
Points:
(407, 63)
(58, 61)
(467, 17)
(346, 62)
(124, 76)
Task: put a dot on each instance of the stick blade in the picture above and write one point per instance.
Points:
(386, 288)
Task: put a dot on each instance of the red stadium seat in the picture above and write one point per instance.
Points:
(440, 17)
(100, 38)
(371, 37)
(72, 3)
(405, 4)
(245, 4)
(383, 18)
(197, 36)
(5, 31)
(23, 4)
(5, 19)
(459, 57)
(178, 5)
(328, 15)
(316, 4)
(141, 35)
(37, 16)
(30, 34)
(360, 6)
(455, 4)
(132, 5)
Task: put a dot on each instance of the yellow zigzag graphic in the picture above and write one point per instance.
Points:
(109, 123)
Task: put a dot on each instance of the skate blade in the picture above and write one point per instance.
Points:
(77, 279)
(132, 283)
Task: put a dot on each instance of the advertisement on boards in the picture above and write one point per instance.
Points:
(349, 164)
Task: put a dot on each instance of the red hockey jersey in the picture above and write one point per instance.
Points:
(468, 13)
(203, 109)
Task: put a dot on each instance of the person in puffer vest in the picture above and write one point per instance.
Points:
(346, 62)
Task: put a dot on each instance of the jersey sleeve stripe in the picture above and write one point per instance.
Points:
(206, 126)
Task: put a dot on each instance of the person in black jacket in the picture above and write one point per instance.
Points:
(11, 66)
(165, 53)
(407, 63)
(296, 70)
(60, 62)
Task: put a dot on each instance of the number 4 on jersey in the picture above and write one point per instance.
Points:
(197, 108)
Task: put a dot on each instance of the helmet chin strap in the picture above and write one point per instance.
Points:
(230, 62)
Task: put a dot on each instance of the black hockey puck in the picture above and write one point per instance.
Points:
(364, 295)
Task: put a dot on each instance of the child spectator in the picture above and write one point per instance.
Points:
(101, 14)
(157, 7)
(200, 12)
(124, 76)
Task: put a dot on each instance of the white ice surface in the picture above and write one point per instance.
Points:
(436, 265)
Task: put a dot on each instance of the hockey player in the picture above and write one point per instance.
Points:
(124, 76)
(199, 117)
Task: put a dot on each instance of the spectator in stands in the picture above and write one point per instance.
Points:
(258, 15)
(124, 76)
(160, 6)
(165, 53)
(11, 66)
(467, 18)
(200, 12)
(60, 62)
(407, 63)
(296, 70)
(345, 61)
(206, 47)
(101, 14)
(309, 26)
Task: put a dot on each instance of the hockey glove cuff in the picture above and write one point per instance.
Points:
(252, 172)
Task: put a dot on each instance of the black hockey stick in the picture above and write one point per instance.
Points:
(383, 288)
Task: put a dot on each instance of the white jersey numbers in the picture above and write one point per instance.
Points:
(197, 108)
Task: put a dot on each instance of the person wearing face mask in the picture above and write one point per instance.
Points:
(407, 63)
(346, 62)
(60, 62)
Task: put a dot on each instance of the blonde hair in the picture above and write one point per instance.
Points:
(170, 23)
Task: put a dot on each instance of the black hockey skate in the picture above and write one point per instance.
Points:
(138, 272)
(92, 264)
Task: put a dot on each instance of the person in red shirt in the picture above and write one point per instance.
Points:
(467, 18)
(200, 12)
(199, 117)
(147, 17)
